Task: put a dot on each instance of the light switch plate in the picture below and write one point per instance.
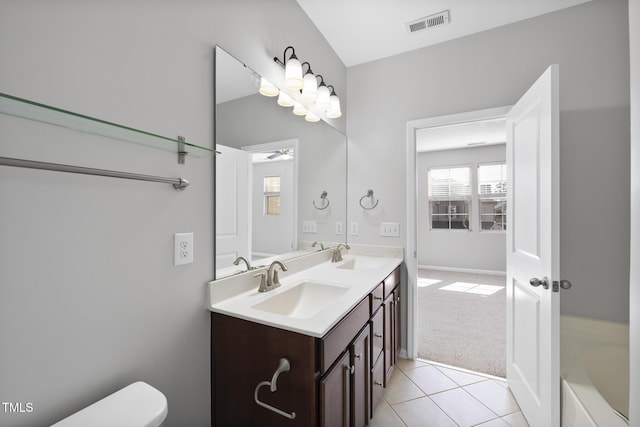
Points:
(390, 229)
(183, 248)
(353, 230)
(309, 227)
(339, 228)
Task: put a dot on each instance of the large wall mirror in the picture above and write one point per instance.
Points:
(280, 181)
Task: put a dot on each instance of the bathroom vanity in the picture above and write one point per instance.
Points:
(327, 341)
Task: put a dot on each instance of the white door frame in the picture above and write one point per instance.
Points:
(411, 259)
(276, 145)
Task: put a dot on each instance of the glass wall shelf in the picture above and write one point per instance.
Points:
(24, 108)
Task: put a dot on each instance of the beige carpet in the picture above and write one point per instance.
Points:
(462, 320)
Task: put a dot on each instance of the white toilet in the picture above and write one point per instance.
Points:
(136, 405)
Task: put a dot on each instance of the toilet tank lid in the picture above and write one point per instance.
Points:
(136, 405)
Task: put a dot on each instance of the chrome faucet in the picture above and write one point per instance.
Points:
(272, 275)
(269, 280)
(336, 256)
(318, 243)
(241, 258)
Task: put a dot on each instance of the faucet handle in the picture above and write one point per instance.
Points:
(263, 281)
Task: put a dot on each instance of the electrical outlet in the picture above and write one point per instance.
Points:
(182, 248)
(339, 228)
(354, 229)
(390, 229)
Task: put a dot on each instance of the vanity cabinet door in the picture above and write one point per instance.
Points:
(377, 334)
(397, 323)
(335, 394)
(388, 338)
(361, 389)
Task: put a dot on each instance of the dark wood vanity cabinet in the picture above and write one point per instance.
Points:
(333, 381)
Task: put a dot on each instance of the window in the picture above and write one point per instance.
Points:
(449, 197)
(272, 195)
(492, 196)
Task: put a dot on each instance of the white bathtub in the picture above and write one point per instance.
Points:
(595, 372)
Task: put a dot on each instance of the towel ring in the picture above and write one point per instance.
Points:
(325, 203)
(370, 195)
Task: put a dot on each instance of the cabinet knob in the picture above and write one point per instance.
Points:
(358, 356)
(377, 335)
(378, 383)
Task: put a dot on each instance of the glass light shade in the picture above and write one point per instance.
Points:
(285, 100)
(334, 110)
(323, 102)
(311, 117)
(293, 74)
(310, 88)
(267, 89)
(299, 109)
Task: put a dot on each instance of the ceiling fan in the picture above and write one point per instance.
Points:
(288, 152)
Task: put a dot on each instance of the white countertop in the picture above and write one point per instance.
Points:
(237, 296)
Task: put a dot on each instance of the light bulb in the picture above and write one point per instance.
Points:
(311, 117)
(285, 100)
(310, 88)
(267, 89)
(323, 102)
(334, 110)
(293, 74)
(299, 109)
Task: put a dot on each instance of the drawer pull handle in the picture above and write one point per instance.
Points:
(377, 335)
(378, 383)
(378, 298)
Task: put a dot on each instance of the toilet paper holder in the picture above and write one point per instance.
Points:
(283, 366)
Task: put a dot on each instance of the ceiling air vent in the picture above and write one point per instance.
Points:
(427, 22)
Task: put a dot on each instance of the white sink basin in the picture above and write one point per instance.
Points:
(361, 264)
(303, 300)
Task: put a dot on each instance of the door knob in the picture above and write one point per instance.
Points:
(564, 284)
(537, 282)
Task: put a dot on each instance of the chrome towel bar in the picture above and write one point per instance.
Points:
(178, 183)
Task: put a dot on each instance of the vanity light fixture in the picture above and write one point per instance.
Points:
(334, 110)
(285, 100)
(324, 100)
(292, 70)
(299, 109)
(310, 88)
(311, 117)
(267, 88)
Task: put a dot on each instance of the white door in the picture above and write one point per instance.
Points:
(233, 193)
(533, 312)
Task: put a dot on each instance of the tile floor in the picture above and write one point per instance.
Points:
(424, 394)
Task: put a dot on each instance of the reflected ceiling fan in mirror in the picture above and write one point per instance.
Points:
(285, 153)
(275, 155)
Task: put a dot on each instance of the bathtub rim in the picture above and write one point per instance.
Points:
(578, 334)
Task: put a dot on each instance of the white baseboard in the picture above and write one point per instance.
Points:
(463, 270)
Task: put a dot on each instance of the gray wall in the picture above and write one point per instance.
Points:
(89, 298)
(634, 36)
(493, 69)
(459, 249)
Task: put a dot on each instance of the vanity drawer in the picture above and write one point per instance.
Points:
(376, 297)
(391, 282)
(338, 338)
(377, 334)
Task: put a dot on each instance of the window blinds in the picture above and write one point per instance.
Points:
(450, 183)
